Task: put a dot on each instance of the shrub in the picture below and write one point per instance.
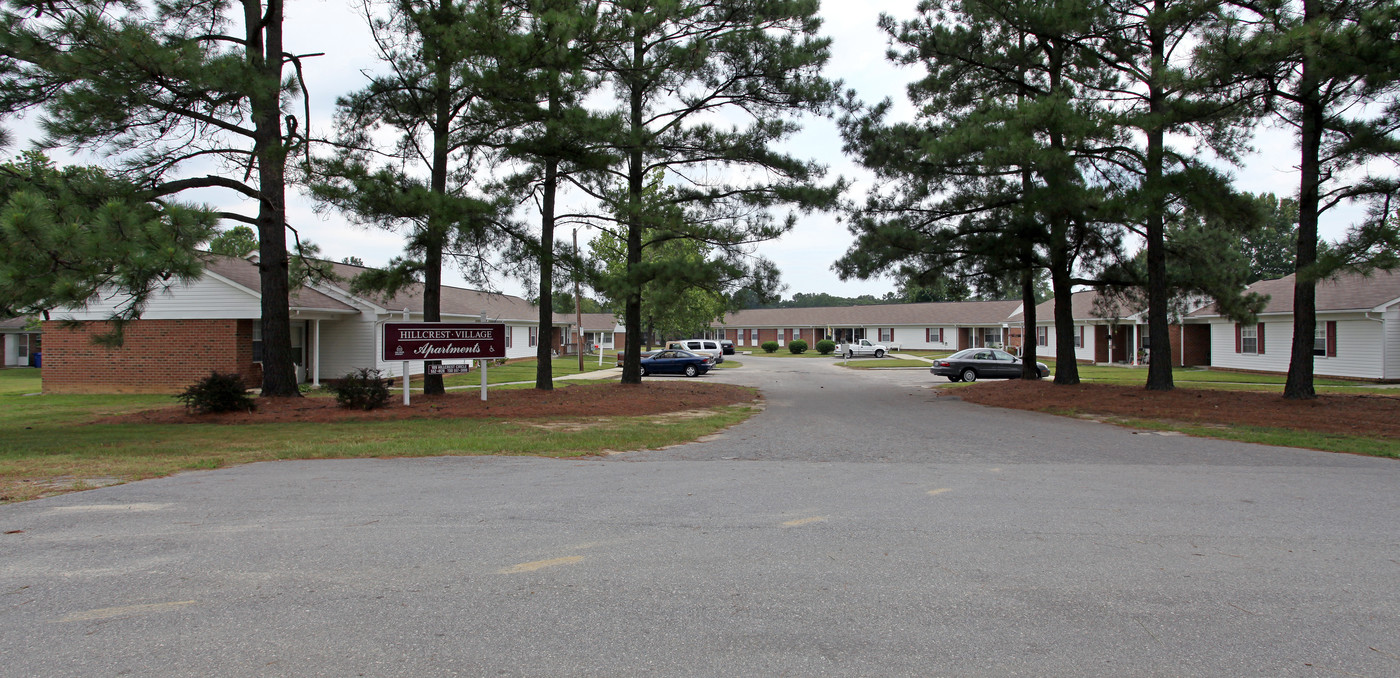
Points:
(218, 393)
(770, 346)
(798, 346)
(826, 346)
(363, 389)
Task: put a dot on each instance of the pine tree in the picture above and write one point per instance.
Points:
(163, 86)
(1160, 90)
(990, 180)
(441, 58)
(549, 129)
(71, 236)
(1331, 73)
(673, 66)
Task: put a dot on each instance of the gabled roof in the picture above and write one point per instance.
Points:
(1349, 292)
(593, 322)
(931, 313)
(456, 301)
(244, 273)
(1082, 306)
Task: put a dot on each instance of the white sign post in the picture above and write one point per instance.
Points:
(599, 349)
(483, 365)
(407, 341)
(405, 369)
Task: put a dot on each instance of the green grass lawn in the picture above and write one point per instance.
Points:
(930, 354)
(20, 380)
(51, 443)
(522, 371)
(1215, 379)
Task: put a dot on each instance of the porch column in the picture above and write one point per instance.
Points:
(316, 353)
(1136, 343)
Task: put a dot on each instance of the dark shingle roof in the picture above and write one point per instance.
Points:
(1350, 292)
(932, 313)
(456, 301)
(1082, 306)
(593, 322)
(245, 273)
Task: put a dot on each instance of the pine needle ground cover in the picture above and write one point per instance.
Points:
(1359, 424)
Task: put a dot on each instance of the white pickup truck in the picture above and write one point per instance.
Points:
(864, 347)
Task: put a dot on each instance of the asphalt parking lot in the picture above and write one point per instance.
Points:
(858, 526)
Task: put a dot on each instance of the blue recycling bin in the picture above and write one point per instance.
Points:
(36, 359)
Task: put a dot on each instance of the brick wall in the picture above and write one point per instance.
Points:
(1197, 339)
(157, 356)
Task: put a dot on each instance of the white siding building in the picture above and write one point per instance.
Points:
(1357, 336)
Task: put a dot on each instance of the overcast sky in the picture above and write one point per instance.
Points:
(804, 256)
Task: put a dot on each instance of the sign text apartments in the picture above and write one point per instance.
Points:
(439, 341)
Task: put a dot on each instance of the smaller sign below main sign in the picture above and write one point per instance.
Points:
(436, 341)
(449, 369)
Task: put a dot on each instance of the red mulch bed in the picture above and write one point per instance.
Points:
(587, 400)
(1363, 415)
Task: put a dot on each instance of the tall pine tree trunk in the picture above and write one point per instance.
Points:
(1066, 362)
(544, 365)
(1029, 333)
(632, 308)
(1159, 364)
(1299, 384)
(435, 236)
(264, 51)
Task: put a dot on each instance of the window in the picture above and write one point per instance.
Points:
(1325, 339)
(1079, 337)
(723, 334)
(1249, 339)
(782, 333)
(1042, 336)
(886, 334)
(534, 336)
(509, 333)
(257, 341)
(753, 337)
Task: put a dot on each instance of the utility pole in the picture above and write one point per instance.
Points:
(578, 310)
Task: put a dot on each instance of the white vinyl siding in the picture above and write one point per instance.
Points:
(1392, 343)
(349, 344)
(1358, 347)
(206, 298)
(1083, 353)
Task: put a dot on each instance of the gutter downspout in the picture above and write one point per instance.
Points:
(1384, 363)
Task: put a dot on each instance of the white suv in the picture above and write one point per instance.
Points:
(709, 347)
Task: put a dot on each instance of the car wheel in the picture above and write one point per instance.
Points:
(969, 375)
(691, 371)
(879, 353)
(954, 378)
(644, 370)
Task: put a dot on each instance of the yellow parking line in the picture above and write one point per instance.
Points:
(804, 521)
(940, 490)
(110, 612)
(541, 564)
